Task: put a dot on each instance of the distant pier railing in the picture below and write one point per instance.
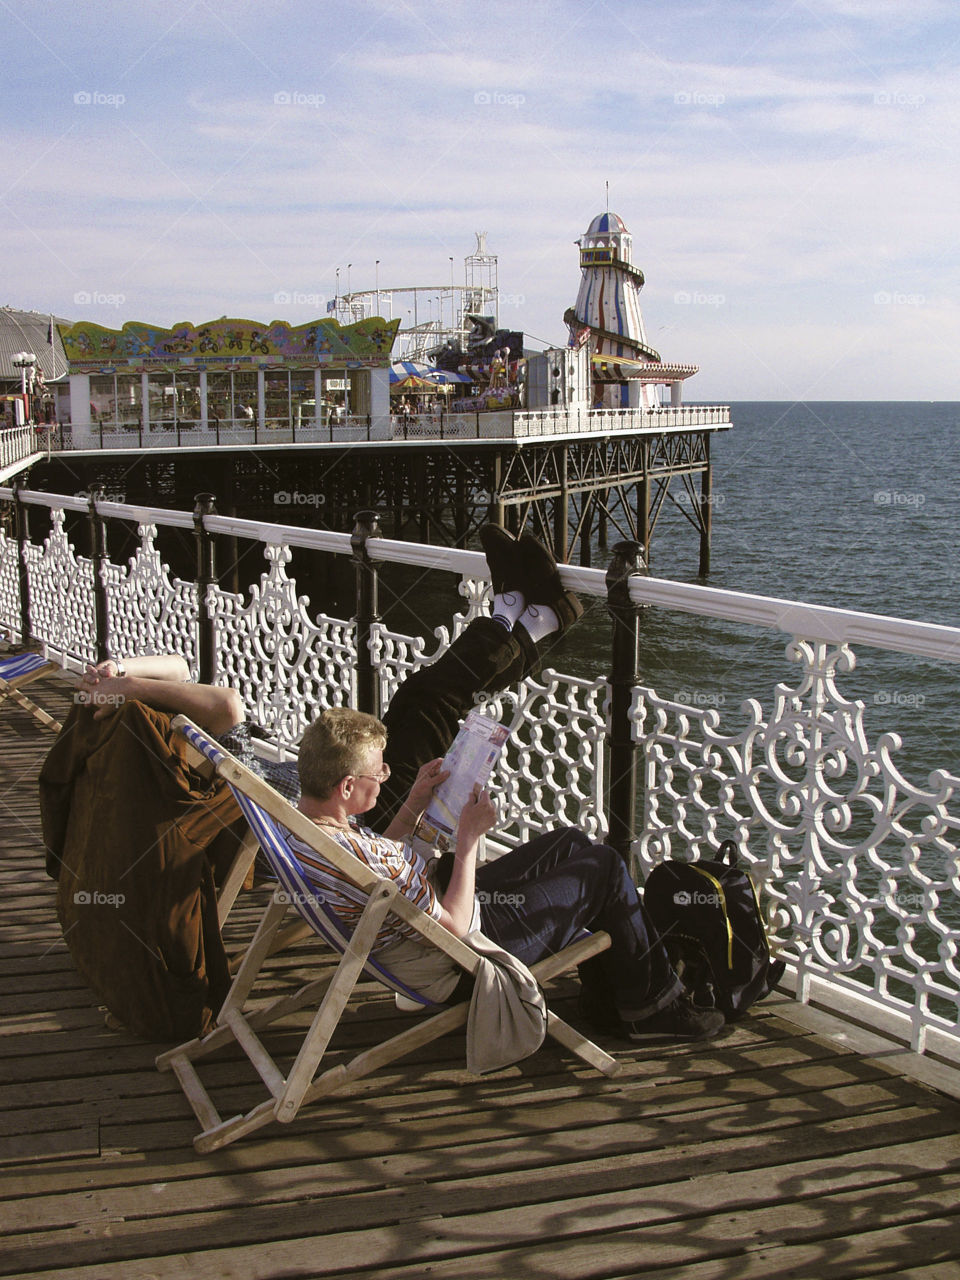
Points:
(857, 867)
(506, 424)
(19, 443)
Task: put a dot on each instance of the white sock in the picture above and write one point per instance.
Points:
(508, 608)
(539, 620)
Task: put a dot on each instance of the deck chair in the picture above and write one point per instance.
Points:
(20, 669)
(271, 818)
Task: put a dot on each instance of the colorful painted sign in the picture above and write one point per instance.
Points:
(224, 343)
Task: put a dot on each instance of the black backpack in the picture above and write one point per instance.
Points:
(708, 918)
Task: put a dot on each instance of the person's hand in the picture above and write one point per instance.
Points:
(477, 816)
(98, 671)
(102, 688)
(429, 776)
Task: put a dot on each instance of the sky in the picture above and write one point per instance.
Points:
(788, 170)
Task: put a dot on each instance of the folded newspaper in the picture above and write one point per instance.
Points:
(470, 761)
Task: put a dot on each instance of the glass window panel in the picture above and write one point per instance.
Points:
(218, 399)
(162, 400)
(188, 399)
(129, 399)
(103, 395)
(302, 398)
(245, 398)
(276, 399)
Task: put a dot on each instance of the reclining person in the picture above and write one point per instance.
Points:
(531, 609)
(532, 901)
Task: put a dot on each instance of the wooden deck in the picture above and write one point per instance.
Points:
(777, 1151)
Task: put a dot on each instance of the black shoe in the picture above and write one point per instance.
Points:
(681, 1020)
(542, 579)
(502, 552)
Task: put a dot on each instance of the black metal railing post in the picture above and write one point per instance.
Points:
(22, 527)
(627, 563)
(206, 577)
(98, 558)
(367, 587)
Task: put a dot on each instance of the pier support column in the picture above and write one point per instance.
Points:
(706, 510)
(561, 510)
(496, 509)
(586, 552)
(643, 502)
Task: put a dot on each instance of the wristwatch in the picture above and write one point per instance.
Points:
(121, 669)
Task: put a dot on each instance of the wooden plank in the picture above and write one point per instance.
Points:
(515, 1164)
(724, 1215)
(839, 1105)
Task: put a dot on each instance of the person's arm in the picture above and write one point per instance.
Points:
(213, 707)
(456, 904)
(157, 666)
(428, 778)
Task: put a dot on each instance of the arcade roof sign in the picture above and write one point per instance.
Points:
(228, 344)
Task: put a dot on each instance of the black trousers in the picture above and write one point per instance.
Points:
(425, 712)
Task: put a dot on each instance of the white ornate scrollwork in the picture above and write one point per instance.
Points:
(9, 584)
(61, 594)
(285, 665)
(147, 610)
(860, 866)
(551, 771)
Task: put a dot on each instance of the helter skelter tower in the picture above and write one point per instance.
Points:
(626, 372)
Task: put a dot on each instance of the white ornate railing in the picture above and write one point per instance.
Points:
(858, 865)
(17, 443)
(504, 424)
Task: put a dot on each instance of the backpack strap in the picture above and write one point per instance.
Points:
(728, 853)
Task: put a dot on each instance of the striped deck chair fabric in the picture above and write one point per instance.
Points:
(21, 669)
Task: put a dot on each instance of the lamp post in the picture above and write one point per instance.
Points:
(26, 362)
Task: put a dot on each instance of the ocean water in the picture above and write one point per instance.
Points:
(852, 505)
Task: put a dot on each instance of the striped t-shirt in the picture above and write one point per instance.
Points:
(388, 859)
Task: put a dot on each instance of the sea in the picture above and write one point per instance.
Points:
(847, 504)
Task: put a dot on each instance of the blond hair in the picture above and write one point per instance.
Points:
(336, 744)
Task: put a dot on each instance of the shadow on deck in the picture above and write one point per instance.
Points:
(775, 1151)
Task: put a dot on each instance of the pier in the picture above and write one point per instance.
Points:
(574, 476)
(798, 1145)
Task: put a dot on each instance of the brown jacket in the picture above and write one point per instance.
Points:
(133, 834)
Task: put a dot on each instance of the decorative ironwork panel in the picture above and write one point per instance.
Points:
(858, 867)
(552, 769)
(9, 584)
(285, 664)
(61, 593)
(147, 610)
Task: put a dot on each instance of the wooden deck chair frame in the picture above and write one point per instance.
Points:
(21, 669)
(269, 814)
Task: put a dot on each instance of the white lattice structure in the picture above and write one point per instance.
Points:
(9, 584)
(147, 610)
(286, 665)
(61, 594)
(858, 866)
(853, 860)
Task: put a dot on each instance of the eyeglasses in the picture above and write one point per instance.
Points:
(380, 777)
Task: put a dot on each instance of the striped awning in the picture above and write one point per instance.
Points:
(402, 372)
